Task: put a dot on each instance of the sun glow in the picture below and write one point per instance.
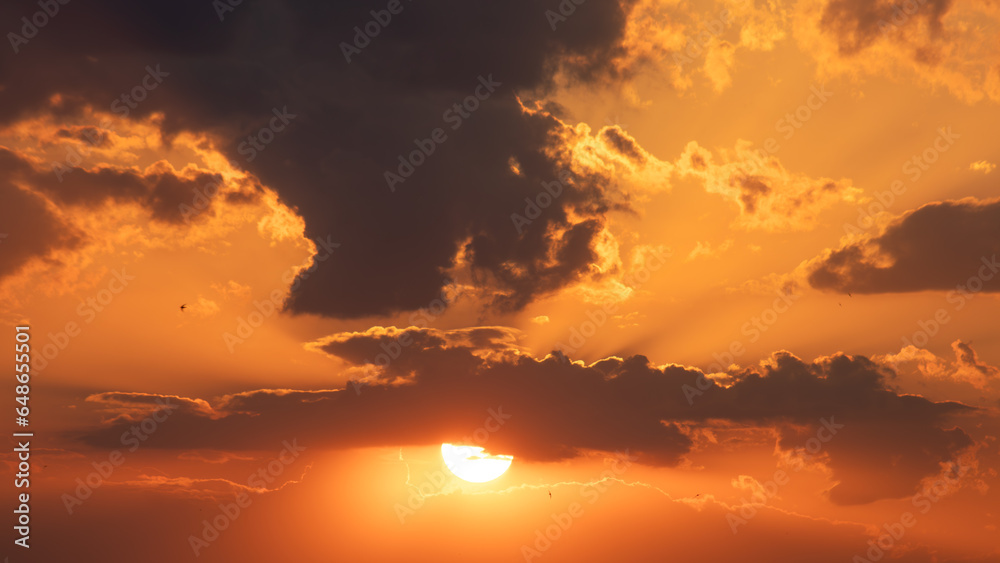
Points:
(473, 464)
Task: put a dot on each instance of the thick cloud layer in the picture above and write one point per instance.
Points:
(348, 107)
(449, 385)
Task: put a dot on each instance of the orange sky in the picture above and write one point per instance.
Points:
(729, 269)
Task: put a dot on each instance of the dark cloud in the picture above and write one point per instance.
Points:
(967, 357)
(30, 229)
(170, 195)
(352, 121)
(443, 385)
(859, 23)
(623, 143)
(132, 406)
(165, 194)
(94, 136)
(752, 188)
(951, 245)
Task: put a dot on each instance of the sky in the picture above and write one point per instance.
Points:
(719, 280)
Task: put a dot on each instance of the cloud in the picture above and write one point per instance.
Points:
(705, 249)
(965, 378)
(213, 456)
(159, 189)
(131, 407)
(943, 246)
(329, 162)
(451, 215)
(441, 386)
(120, 200)
(937, 43)
(32, 229)
(685, 43)
(769, 197)
(857, 24)
(983, 166)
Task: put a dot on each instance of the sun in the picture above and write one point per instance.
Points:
(473, 464)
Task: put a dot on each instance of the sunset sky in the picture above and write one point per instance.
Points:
(718, 280)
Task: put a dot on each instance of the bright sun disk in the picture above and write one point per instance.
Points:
(473, 464)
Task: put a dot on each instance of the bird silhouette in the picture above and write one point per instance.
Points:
(184, 306)
(550, 495)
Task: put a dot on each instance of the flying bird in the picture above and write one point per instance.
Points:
(550, 495)
(184, 306)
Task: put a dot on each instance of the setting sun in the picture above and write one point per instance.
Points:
(474, 464)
